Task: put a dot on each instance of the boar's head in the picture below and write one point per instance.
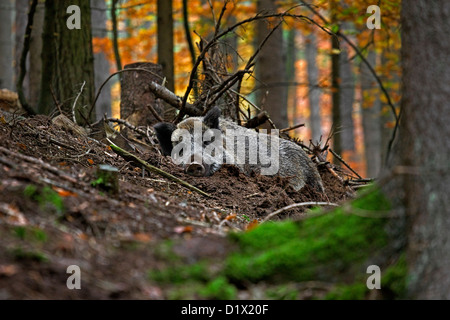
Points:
(189, 143)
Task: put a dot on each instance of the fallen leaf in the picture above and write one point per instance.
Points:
(142, 237)
(64, 193)
(183, 229)
(252, 225)
(230, 216)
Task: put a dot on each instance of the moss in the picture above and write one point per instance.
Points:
(219, 288)
(299, 251)
(393, 280)
(355, 291)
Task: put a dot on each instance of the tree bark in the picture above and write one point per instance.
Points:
(6, 45)
(101, 64)
(346, 99)
(371, 118)
(313, 91)
(422, 157)
(136, 95)
(165, 49)
(270, 68)
(67, 61)
(35, 62)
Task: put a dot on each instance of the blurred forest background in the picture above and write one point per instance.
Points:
(302, 75)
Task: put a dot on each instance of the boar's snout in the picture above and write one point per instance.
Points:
(196, 169)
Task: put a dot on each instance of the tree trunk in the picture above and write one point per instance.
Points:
(270, 68)
(6, 45)
(290, 73)
(165, 49)
(422, 157)
(101, 64)
(346, 99)
(67, 61)
(35, 68)
(335, 88)
(371, 118)
(313, 90)
(136, 96)
(21, 20)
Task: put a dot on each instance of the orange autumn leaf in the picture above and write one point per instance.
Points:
(22, 146)
(91, 162)
(183, 229)
(252, 225)
(64, 193)
(230, 217)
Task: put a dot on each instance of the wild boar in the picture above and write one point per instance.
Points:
(202, 144)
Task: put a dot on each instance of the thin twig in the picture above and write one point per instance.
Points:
(75, 102)
(345, 163)
(292, 127)
(302, 204)
(154, 113)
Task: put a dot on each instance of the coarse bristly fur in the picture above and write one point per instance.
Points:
(294, 163)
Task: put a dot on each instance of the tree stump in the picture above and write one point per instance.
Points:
(135, 95)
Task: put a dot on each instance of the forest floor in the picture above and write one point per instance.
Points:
(52, 216)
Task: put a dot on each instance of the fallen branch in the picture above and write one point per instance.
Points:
(345, 163)
(130, 157)
(302, 204)
(128, 125)
(292, 127)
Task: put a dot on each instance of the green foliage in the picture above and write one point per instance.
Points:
(355, 291)
(219, 288)
(20, 253)
(30, 233)
(98, 182)
(47, 198)
(393, 281)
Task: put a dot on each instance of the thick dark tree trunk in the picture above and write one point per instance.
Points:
(422, 155)
(270, 68)
(67, 61)
(313, 91)
(165, 49)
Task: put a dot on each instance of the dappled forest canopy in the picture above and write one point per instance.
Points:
(84, 82)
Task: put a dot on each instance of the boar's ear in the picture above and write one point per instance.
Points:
(211, 118)
(164, 134)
